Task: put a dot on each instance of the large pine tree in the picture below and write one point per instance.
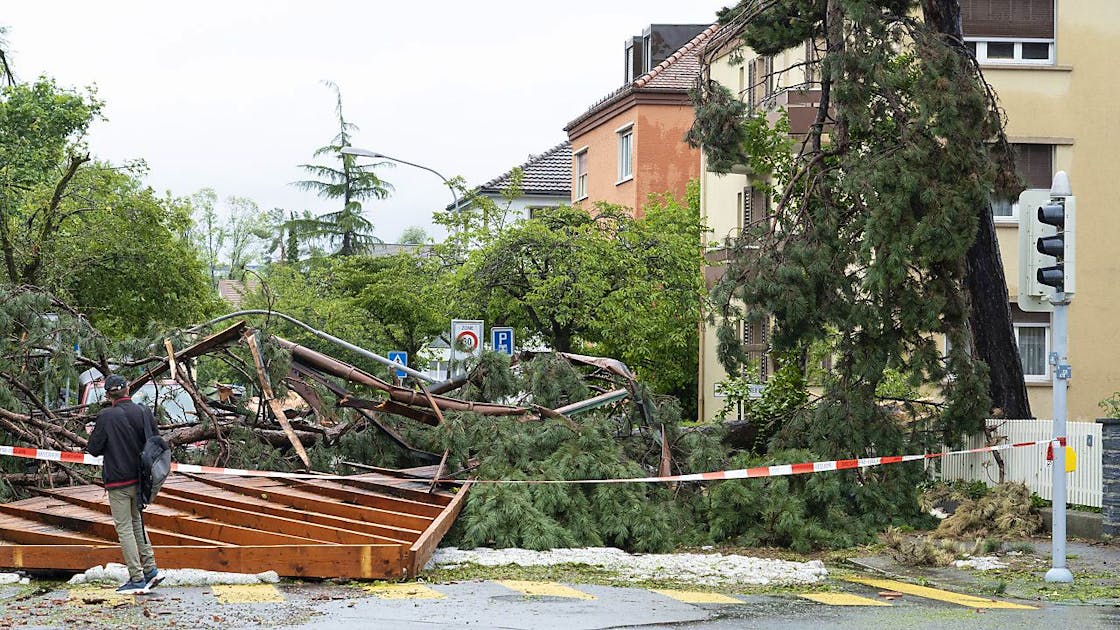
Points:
(873, 238)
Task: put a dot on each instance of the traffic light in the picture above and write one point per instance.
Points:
(1059, 212)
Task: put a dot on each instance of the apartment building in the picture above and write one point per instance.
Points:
(630, 144)
(1049, 62)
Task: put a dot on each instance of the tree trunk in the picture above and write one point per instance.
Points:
(993, 336)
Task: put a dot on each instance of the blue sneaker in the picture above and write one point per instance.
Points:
(152, 578)
(132, 588)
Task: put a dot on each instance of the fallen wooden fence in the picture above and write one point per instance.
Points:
(369, 526)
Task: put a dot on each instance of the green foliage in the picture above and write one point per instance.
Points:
(717, 126)
(492, 380)
(1111, 405)
(42, 147)
(643, 322)
(863, 255)
(477, 220)
(402, 297)
(602, 283)
(802, 512)
(780, 25)
(127, 261)
(553, 382)
(630, 516)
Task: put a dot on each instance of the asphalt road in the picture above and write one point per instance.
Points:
(517, 605)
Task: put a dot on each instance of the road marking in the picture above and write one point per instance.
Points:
(402, 591)
(842, 599)
(544, 589)
(938, 594)
(697, 597)
(106, 596)
(246, 593)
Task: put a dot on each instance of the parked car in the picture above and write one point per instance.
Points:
(171, 404)
(167, 399)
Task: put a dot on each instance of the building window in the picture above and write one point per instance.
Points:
(1032, 334)
(625, 153)
(1009, 31)
(581, 175)
(1035, 165)
(1034, 348)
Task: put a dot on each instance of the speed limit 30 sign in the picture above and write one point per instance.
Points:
(466, 338)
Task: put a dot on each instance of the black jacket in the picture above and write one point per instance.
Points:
(119, 437)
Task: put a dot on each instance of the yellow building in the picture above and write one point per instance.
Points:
(1050, 64)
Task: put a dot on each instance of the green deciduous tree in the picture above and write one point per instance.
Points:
(42, 148)
(403, 296)
(126, 259)
(349, 182)
(603, 283)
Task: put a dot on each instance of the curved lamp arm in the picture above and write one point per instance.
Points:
(375, 154)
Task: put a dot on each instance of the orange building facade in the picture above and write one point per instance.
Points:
(631, 144)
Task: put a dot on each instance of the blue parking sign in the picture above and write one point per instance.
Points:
(399, 356)
(501, 340)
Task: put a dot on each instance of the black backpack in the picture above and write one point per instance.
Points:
(155, 465)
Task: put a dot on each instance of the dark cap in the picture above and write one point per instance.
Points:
(115, 383)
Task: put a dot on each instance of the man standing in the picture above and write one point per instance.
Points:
(119, 437)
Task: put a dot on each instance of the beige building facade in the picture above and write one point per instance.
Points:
(1051, 63)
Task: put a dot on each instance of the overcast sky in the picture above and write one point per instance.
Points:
(228, 95)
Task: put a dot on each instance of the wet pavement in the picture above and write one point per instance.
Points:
(851, 601)
(881, 594)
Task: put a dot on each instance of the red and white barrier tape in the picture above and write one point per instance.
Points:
(74, 457)
(780, 470)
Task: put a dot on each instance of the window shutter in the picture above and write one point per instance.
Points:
(1008, 18)
(752, 79)
(748, 215)
(1035, 164)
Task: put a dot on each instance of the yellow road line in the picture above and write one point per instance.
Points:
(544, 589)
(843, 599)
(697, 597)
(938, 594)
(106, 596)
(246, 593)
(402, 591)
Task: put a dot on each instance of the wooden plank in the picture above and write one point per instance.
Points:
(383, 562)
(27, 534)
(424, 546)
(273, 404)
(91, 523)
(256, 505)
(390, 487)
(366, 497)
(301, 529)
(172, 520)
(405, 525)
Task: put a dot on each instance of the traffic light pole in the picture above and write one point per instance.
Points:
(1059, 364)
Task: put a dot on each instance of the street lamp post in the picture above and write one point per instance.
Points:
(382, 156)
(454, 195)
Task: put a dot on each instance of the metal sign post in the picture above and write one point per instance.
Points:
(1062, 372)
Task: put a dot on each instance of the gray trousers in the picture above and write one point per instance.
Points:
(135, 546)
